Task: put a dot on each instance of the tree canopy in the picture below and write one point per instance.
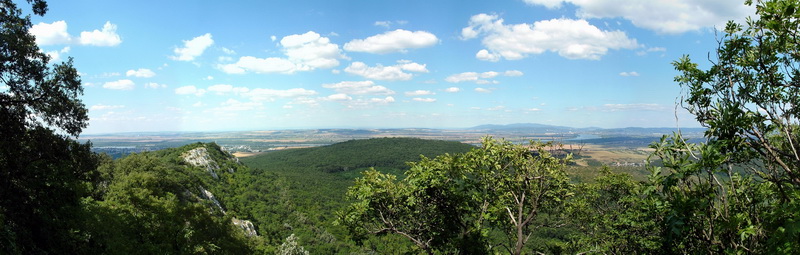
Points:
(42, 170)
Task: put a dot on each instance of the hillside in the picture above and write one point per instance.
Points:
(298, 191)
(382, 153)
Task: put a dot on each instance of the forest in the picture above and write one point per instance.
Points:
(736, 192)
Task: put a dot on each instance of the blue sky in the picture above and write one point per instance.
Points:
(236, 65)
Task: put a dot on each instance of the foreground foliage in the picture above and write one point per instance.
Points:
(474, 202)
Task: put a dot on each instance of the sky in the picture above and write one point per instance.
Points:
(263, 65)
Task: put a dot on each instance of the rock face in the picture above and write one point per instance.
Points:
(246, 226)
(210, 196)
(199, 157)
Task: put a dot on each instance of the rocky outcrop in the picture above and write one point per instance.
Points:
(210, 197)
(199, 157)
(246, 226)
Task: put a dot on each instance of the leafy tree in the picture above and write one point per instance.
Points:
(739, 191)
(615, 216)
(41, 168)
(460, 202)
(290, 247)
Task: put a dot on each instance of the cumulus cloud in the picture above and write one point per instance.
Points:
(193, 48)
(259, 65)
(106, 37)
(339, 97)
(572, 39)
(393, 41)
(141, 72)
(55, 55)
(221, 89)
(359, 88)
(626, 74)
(311, 51)
(452, 89)
(479, 78)
(513, 73)
(56, 33)
(304, 52)
(370, 102)
(153, 85)
(190, 90)
(424, 100)
(51, 34)
(668, 17)
(482, 90)
(387, 73)
(119, 85)
(419, 93)
(262, 94)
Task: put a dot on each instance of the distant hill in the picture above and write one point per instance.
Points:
(524, 127)
(355, 154)
(543, 128)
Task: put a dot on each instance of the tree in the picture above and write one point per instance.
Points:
(615, 216)
(740, 190)
(462, 202)
(42, 169)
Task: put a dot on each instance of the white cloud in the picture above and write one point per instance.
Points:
(419, 93)
(385, 24)
(141, 72)
(100, 107)
(486, 56)
(228, 51)
(478, 77)
(106, 37)
(193, 48)
(651, 49)
(226, 88)
(153, 85)
(259, 65)
(367, 103)
(119, 85)
(56, 33)
(482, 90)
(452, 89)
(533, 110)
(190, 90)
(626, 74)
(669, 17)
(311, 51)
(424, 100)
(496, 108)
(261, 94)
(304, 52)
(389, 73)
(359, 88)
(339, 97)
(233, 105)
(392, 41)
(50, 34)
(572, 39)
(55, 55)
(513, 73)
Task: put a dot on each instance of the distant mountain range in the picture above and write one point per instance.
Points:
(544, 128)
